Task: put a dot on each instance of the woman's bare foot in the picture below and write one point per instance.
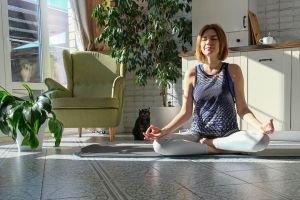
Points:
(212, 150)
(208, 142)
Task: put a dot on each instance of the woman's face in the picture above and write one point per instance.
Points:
(210, 43)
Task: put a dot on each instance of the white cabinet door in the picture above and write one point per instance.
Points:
(230, 14)
(241, 60)
(269, 83)
(187, 63)
(295, 101)
(237, 39)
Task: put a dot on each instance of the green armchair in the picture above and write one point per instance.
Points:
(94, 93)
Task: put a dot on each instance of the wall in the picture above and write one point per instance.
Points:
(279, 17)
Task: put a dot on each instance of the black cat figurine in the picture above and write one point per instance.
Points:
(141, 124)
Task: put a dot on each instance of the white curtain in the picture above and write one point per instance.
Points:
(86, 25)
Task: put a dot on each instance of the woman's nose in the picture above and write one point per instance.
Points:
(208, 41)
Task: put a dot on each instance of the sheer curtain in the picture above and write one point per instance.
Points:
(86, 25)
(76, 26)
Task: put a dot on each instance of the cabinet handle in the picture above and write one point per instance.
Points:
(265, 59)
(244, 21)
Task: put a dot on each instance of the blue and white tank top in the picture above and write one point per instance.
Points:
(214, 108)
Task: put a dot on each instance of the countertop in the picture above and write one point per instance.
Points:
(289, 44)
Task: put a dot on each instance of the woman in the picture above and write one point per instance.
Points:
(214, 128)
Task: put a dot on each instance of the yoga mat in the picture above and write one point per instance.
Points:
(146, 151)
(116, 151)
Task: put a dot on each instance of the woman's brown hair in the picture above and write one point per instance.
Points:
(223, 47)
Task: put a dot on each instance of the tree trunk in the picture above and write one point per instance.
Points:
(163, 93)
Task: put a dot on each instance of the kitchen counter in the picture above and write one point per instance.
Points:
(289, 44)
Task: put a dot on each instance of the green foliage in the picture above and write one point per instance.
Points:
(147, 39)
(27, 116)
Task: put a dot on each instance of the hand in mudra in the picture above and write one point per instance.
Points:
(153, 133)
(268, 128)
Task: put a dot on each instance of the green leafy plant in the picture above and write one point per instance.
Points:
(27, 116)
(147, 36)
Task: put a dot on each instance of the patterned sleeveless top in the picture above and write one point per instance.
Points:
(214, 108)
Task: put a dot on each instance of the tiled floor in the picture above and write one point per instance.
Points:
(56, 173)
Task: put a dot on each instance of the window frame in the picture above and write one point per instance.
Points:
(5, 45)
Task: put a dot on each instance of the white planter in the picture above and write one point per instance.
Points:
(161, 116)
(20, 138)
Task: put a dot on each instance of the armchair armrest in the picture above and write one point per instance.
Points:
(61, 90)
(118, 88)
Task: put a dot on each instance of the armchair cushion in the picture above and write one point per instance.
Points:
(61, 91)
(85, 102)
(90, 76)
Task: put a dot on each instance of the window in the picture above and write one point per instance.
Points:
(38, 31)
(61, 31)
(23, 21)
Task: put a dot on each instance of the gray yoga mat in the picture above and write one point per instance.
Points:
(130, 150)
(146, 150)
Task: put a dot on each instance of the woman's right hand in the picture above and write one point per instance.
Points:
(268, 128)
(153, 133)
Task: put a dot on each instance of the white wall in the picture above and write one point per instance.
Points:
(279, 17)
(2, 71)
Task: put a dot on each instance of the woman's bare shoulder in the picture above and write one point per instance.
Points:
(190, 75)
(234, 70)
(191, 71)
(233, 66)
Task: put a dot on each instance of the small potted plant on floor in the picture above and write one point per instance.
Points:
(24, 117)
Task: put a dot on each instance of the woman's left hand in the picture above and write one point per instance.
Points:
(268, 128)
(153, 133)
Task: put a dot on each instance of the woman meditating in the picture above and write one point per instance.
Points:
(213, 94)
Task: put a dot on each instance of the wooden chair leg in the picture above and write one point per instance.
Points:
(112, 132)
(80, 131)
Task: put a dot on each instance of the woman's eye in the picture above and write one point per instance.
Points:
(212, 39)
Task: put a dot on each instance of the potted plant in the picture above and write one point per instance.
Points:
(146, 36)
(26, 116)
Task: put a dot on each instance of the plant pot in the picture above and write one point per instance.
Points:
(20, 138)
(161, 116)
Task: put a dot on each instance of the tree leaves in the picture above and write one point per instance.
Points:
(147, 39)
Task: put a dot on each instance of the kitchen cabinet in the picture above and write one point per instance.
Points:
(269, 86)
(295, 90)
(240, 58)
(187, 62)
(233, 21)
